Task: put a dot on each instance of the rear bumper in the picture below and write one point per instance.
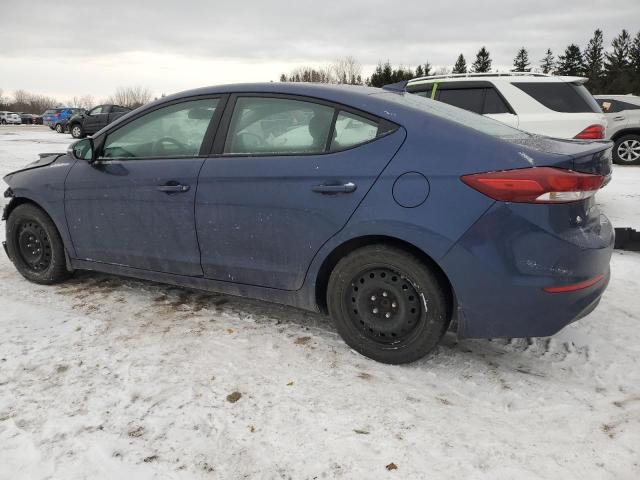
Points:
(500, 267)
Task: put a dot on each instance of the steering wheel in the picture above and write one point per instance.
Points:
(159, 145)
(249, 140)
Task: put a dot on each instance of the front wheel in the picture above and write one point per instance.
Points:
(387, 304)
(34, 245)
(76, 131)
(626, 150)
(59, 128)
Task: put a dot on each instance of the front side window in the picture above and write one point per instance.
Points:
(278, 126)
(352, 130)
(174, 131)
(97, 110)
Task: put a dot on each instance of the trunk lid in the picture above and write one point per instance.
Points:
(585, 156)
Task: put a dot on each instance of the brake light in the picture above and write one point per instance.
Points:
(535, 185)
(57, 115)
(592, 132)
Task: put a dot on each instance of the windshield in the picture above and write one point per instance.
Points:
(455, 114)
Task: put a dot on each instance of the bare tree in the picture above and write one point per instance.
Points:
(85, 101)
(347, 70)
(131, 96)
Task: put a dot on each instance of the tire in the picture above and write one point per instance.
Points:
(76, 131)
(387, 304)
(626, 150)
(59, 128)
(4, 122)
(29, 229)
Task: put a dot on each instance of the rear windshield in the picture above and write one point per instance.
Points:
(561, 96)
(458, 115)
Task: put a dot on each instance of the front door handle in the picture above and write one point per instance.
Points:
(329, 189)
(172, 187)
(619, 117)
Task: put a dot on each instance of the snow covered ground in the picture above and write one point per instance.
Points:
(105, 377)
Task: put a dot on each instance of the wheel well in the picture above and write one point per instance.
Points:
(322, 280)
(622, 133)
(14, 202)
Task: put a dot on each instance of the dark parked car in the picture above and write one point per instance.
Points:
(30, 119)
(397, 214)
(88, 123)
(58, 118)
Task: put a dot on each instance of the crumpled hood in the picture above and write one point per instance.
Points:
(44, 160)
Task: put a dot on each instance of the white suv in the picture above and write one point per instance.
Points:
(10, 117)
(544, 104)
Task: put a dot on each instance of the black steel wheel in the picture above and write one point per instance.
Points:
(34, 245)
(387, 304)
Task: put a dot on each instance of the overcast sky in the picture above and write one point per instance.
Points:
(65, 48)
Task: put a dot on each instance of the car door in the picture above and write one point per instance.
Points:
(95, 119)
(134, 205)
(279, 185)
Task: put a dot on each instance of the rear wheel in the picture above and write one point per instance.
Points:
(387, 304)
(76, 131)
(626, 150)
(59, 128)
(34, 245)
(4, 122)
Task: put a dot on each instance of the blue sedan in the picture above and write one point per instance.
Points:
(400, 216)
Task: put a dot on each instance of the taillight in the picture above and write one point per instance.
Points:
(57, 115)
(535, 185)
(592, 132)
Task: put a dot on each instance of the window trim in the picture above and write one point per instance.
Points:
(207, 140)
(385, 127)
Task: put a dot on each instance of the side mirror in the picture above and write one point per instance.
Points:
(82, 150)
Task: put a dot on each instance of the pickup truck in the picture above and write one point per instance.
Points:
(83, 124)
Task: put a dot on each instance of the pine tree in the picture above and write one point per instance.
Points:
(593, 59)
(548, 63)
(419, 72)
(570, 63)
(283, 78)
(521, 62)
(618, 72)
(427, 69)
(461, 65)
(483, 62)
(634, 55)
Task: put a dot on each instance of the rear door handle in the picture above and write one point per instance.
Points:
(619, 117)
(328, 189)
(173, 188)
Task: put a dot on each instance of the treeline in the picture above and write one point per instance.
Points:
(26, 102)
(613, 70)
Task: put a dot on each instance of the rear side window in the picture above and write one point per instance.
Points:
(615, 106)
(493, 103)
(560, 96)
(351, 130)
(278, 126)
(468, 98)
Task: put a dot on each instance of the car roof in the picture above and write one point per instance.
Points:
(509, 77)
